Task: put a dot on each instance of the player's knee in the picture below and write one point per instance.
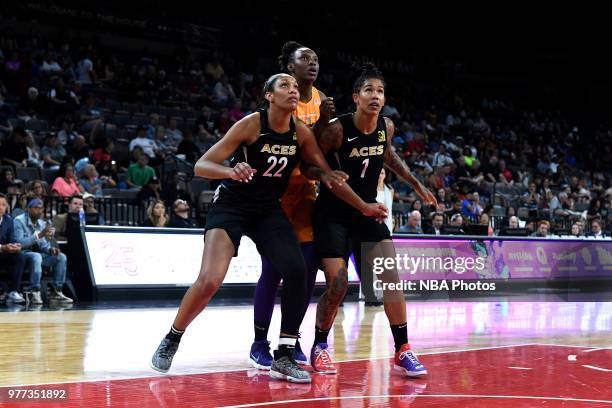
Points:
(339, 283)
(207, 286)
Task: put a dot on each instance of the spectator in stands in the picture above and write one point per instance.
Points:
(484, 220)
(37, 189)
(147, 144)
(10, 252)
(174, 136)
(61, 220)
(456, 220)
(596, 231)
(470, 207)
(93, 184)
(531, 199)
(223, 93)
(62, 101)
(575, 231)
(90, 114)
(153, 125)
(15, 150)
(206, 122)
(50, 66)
(19, 205)
(52, 152)
(189, 148)
(85, 73)
(89, 205)
(543, 229)
(66, 184)
(214, 69)
(236, 113)
(437, 220)
(156, 215)
(34, 234)
(103, 154)
(180, 218)
(67, 135)
(414, 224)
(79, 148)
(441, 158)
(7, 180)
(140, 173)
(31, 106)
(151, 190)
(513, 222)
(34, 156)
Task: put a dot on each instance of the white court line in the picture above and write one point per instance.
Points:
(561, 345)
(597, 349)
(358, 397)
(520, 368)
(597, 368)
(160, 375)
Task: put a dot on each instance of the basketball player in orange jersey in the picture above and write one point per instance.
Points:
(315, 110)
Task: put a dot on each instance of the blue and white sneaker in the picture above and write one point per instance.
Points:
(408, 363)
(260, 356)
(299, 355)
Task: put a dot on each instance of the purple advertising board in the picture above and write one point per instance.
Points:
(502, 259)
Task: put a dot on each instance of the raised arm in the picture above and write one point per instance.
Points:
(210, 164)
(395, 163)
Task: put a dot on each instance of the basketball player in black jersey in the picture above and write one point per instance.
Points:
(359, 144)
(265, 148)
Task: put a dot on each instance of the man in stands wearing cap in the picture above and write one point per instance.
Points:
(34, 234)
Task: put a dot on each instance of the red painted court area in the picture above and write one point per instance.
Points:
(529, 375)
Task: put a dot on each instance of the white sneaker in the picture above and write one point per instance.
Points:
(35, 298)
(15, 297)
(58, 296)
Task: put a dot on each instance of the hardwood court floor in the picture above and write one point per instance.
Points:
(478, 354)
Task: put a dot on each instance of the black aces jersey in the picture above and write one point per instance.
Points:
(274, 156)
(360, 156)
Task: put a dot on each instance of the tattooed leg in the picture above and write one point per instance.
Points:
(336, 276)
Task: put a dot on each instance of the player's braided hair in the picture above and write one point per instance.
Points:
(287, 53)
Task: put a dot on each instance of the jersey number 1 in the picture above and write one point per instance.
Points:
(274, 160)
(366, 163)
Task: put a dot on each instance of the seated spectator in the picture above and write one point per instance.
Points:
(37, 189)
(61, 220)
(236, 113)
(15, 150)
(151, 190)
(470, 207)
(62, 101)
(50, 66)
(223, 93)
(19, 205)
(92, 216)
(180, 217)
(34, 234)
(103, 154)
(34, 156)
(596, 231)
(140, 173)
(513, 222)
(414, 224)
(7, 181)
(543, 229)
(484, 220)
(90, 115)
(441, 158)
(93, 184)
(67, 135)
(66, 184)
(188, 148)
(52, 152)
(174, 136)
(10, 253)
(456, 220)
(147, 144)
(575, 231)
(437, 220)
(156, 215)
(531, 199)
(32, 105)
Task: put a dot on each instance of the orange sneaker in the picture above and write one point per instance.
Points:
(321, 360)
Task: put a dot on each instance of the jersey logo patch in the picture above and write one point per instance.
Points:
(382, 136)
(294, 136)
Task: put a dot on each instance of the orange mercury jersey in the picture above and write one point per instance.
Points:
(298, 200)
